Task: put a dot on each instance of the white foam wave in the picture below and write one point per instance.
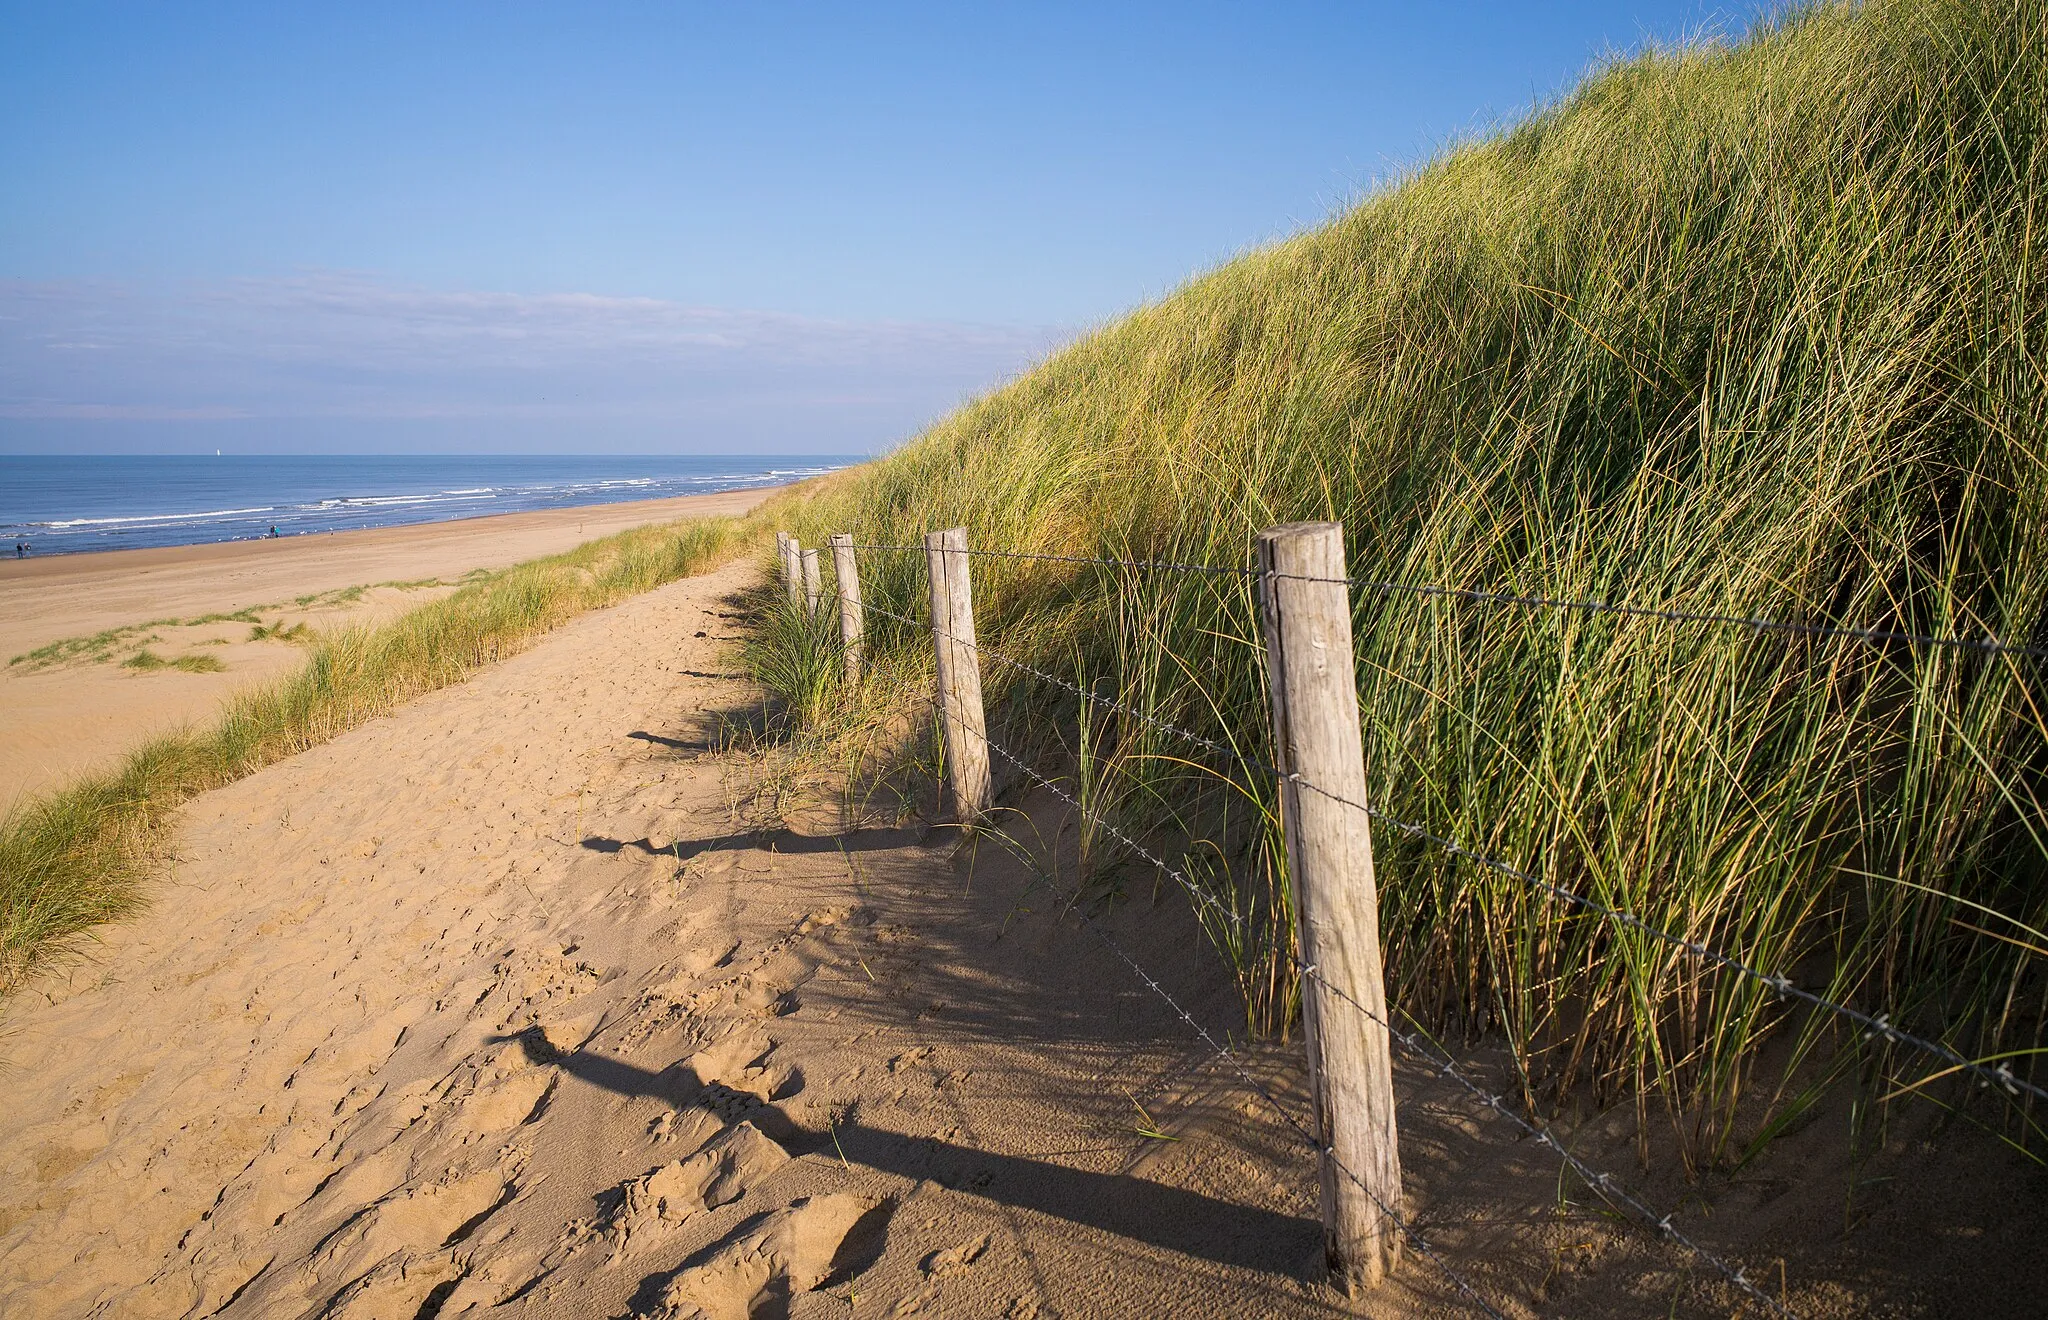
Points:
(152, 518)
(380, 501)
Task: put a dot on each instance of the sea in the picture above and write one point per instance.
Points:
(68, 504)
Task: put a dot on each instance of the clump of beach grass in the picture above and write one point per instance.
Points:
(1752, 328)
(73, 859)
(795, 655)
(147, 660)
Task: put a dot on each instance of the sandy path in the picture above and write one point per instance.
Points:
(496, 1003)
(59, 721)
(421, 1005)
(392, 1001)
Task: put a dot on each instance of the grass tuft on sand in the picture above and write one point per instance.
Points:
(147, 660)
(1751, 327)
(74, 859)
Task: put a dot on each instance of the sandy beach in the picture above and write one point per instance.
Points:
(61, 718)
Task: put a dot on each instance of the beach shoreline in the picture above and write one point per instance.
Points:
(60, 720)
(617, 515)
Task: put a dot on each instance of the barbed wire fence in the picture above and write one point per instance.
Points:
(1360, 1248)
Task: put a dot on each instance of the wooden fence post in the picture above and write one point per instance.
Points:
(813, 592)
(851, 620)
(961, 717)
(789, 549)
(1314, 689)
(792, 567)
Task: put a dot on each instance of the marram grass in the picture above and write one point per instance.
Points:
(1756, 328)
(78, 857)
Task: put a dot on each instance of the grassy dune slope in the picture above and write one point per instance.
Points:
(1751, 328)
(76, 858)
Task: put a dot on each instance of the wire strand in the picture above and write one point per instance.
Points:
(1443, 1064)
(1222, 1052)
(1987, 645)
(1593, 1177)
(1148, 565)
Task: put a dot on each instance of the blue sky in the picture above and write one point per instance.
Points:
(613, 227)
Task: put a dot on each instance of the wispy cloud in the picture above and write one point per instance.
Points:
(340, 346)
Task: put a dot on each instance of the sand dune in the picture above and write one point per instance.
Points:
(511, 1002)
(59, 720)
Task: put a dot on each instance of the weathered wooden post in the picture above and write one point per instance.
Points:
(960, 713)
(813, 592)
(792, 567)
(851, 620)
(1314, 689)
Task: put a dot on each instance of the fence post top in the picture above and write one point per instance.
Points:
(1290, 531)
(952, 538)
(840, 538)
(1303, 549)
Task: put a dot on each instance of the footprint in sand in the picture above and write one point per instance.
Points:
(645, 1212)
(399, 1287)
(956, 1260)
(519, 1099)
(910, 1058)
(739, 1064)
(948, 1264)
(718, 1173)
(755, 1275)
(687, 1125)
(412, 1224)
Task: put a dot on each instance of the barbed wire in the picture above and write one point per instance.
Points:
(1985, 645)
(1222, 1052)
(1873, 1024)
(1593, 1177)
(1988, 645)
(1148, 565)
(1107, 703)
(1194, 891)
(1444, 1065)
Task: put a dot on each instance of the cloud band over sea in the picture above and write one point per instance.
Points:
(332, 358)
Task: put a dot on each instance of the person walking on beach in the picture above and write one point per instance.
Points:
(21, 549)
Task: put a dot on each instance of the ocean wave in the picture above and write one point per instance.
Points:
(342, 498)
(379, 501)
(149, 518)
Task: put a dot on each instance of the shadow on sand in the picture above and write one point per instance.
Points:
(1135, 1208)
